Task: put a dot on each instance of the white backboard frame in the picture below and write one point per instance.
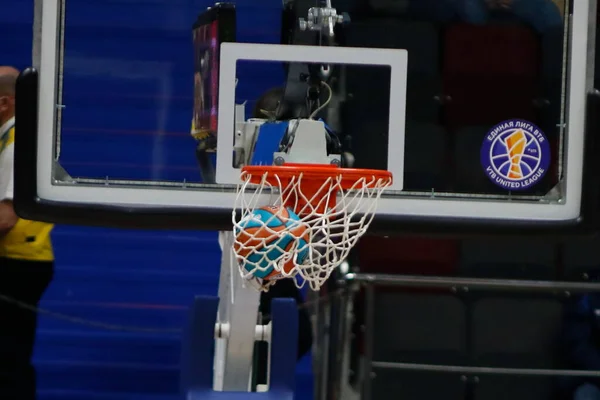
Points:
(222, 198)
(232, 53)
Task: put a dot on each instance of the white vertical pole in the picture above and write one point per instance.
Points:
(37, 34)
(238, 310)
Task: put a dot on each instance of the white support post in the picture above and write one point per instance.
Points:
(236, 328)
(37, 34)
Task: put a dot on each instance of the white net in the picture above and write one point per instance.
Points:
(287, 228)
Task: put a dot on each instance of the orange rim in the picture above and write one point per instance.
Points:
(311, 184)
(314, 173)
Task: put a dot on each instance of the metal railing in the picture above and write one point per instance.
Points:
(456, 285)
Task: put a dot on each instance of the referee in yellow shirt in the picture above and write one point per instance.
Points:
(26, 263)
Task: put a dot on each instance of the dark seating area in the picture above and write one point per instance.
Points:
(461, 327)
(462, 80)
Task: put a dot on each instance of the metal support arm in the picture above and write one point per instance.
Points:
(238, 314)
(218, 344)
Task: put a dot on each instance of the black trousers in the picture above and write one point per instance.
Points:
(24, 282)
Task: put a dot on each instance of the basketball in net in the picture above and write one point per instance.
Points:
(317, 213)
(270, 242)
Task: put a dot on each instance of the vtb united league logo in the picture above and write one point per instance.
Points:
(515, 154)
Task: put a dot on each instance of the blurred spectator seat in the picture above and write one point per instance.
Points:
(581, 258)
(511, 258)
(370, 89)
(426, 151)
(549, 102)
(407, 255)
(515, 333)
(421, 329)
(490, 74)
(425, 157)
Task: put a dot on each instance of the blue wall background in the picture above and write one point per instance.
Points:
(128, 96)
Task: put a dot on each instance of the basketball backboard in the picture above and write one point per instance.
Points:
(485, 127)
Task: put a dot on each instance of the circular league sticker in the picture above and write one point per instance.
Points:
(515, 154)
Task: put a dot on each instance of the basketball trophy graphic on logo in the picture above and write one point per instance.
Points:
(515, 154)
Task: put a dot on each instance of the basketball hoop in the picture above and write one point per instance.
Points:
(335, 204)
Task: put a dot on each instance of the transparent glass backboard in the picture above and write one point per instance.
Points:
(479, 116)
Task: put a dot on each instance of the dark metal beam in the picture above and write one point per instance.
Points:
(484, 370)
(473, 283)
